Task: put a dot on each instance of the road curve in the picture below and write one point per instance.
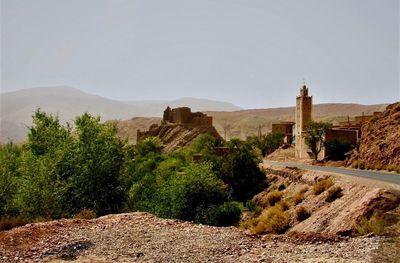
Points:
(380, 176)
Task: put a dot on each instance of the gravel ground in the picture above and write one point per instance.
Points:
(141, 237)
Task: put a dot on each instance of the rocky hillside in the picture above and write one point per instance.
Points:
(380, 143)
(175, 136)
(141, 237)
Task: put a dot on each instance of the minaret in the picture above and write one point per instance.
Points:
(303, 118)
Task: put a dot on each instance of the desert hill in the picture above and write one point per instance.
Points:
(246, 122)
(380, 144)
(17, 107)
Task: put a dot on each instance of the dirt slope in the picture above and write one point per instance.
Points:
(360, 198)
(141, 237)
(174, 136)
(380, 143)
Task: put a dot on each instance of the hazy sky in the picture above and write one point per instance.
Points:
(253, 53)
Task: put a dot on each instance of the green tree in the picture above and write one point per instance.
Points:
(9, 174)
(46, 134)
(315, 136)
(241, 172)
(40, 189)
(189, 195)
(92, 168)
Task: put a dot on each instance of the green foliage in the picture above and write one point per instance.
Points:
(40, 188)
(89, 172)
(337, 149)
(204, 144)
(46, 135)
(150, 145)
(9, 174)
(190, 194)
(315, 136)
(241, 172)
(267, 143)
(92, 168)
(226, 214)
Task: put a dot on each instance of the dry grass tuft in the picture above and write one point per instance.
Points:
(273, 220)
(302, 213)
(299, 196)
(273, 197)
(375, 224)
(322, 185)
(333, 193)
(86, 213)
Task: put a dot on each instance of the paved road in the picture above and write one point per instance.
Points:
(381, 176)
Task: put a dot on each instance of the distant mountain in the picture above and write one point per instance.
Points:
(17, 108)
(153, 108)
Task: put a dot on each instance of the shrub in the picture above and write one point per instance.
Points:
(298, 197)
(7, 223)
(333, 193)
(337, 149)
(375, 224)
(85, 214)
(302, 213)
(281, 187)
(272, 220)
(272, 198)
(226, 214)
(284, 205)
(322, 185)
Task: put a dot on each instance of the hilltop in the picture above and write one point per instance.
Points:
(17, 108)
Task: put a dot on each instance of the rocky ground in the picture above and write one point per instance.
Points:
(380, 145)
(141, 237)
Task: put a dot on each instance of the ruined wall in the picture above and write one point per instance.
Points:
(184, 115)
(283, 127)
(341, 134)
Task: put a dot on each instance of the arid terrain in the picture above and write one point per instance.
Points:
(141, 237)
(380, 145)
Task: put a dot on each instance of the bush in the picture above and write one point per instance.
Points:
(226, 214)
(333, 194)
(85, 214)
(273, 220)
(302, 213)
(284, 205)
(281, 187)
(337, 149)
(322, 185)
(272, 198)
(190, 195)
(298, 197)
(375, 224)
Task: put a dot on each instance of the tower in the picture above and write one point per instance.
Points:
(303, 118)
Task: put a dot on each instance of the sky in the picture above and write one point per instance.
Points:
(253, 53)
